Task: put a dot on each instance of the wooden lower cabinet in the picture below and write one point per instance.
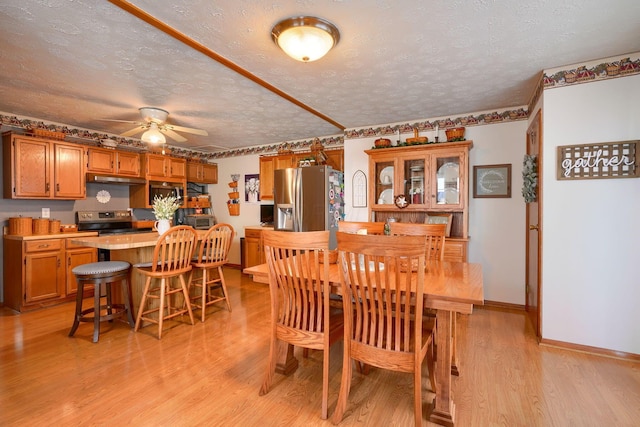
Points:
(253, 248)
(76, 256)
(37, 272)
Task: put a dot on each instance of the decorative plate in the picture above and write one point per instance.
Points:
(386, 175)
(386, 197)
(103, 196)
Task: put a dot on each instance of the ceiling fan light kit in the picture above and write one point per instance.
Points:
(153, 135)
(305, 38)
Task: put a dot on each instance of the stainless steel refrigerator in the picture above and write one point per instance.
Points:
(308, 199)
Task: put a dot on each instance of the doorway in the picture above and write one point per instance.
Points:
(534, 236)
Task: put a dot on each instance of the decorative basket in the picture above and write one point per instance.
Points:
(382, 142)
(54, 226)
(234, 195)
(40, 226)
(44, 133)
(233, 184)
(455, 134)
(234, 209)
(19, 226)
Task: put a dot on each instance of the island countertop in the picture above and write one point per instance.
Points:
(122, 241)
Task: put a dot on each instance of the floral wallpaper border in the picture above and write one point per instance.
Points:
(609, 68)
(603, 69)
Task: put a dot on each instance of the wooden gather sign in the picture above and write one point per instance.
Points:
(596, 161)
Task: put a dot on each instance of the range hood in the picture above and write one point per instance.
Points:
(111, 179)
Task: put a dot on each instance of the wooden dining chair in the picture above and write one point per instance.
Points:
(380, 325)
(171, 259)
(212, 254)
(355, 227)
(300, 311)
(435, 236)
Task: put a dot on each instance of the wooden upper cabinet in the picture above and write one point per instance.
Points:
(202, 173)
(266, 178)
(161, 166)
(103, 160)
(100, 160)
(335, 159)
(36, 168)
(69, 171)
(268, 164)
(127, 163)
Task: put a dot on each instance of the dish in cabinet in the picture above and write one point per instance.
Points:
(386, 175)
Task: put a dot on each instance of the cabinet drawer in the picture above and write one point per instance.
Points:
(252, 233)
(44, 245)
(70, 245)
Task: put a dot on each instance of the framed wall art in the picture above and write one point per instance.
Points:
(492, 181)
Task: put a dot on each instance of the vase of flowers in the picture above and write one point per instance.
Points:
(164, 208)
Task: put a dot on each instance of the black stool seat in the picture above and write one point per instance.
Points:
(102, 275)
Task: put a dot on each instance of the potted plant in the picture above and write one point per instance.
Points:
(163, 209)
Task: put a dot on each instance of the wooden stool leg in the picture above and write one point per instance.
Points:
(127, 300)
(107, 290)
(76, 319)
(96, 312)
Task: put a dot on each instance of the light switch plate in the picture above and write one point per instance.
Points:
(46, 212)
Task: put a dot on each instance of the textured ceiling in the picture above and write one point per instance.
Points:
(74, 62)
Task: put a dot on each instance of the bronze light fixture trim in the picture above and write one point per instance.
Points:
(305, 38)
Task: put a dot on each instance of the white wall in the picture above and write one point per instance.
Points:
(591, 237)
(496, 226)
(249, 212)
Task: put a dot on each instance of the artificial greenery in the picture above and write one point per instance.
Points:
(530, 178)
(165, 207)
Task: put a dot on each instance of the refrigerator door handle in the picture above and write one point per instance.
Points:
(297, 206)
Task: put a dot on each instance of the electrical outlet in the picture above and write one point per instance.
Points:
(46, 212)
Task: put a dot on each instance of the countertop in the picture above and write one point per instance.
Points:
(121, 241)
(52, 236)
(258, 227)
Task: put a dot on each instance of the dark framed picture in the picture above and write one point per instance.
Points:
(492, 181)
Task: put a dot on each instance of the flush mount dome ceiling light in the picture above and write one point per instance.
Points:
(305, 38)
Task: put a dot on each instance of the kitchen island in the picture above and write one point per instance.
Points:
(134, 248)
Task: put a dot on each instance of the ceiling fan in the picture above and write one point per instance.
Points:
(154, 123)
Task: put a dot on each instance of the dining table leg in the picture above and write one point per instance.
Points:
(454, 354)
(443, 409)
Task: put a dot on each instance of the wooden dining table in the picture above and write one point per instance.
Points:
(449, 288)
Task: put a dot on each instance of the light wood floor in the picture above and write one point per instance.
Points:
(210, 374)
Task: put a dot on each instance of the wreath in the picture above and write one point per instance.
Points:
(530, 178)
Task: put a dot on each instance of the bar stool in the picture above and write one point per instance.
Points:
(102, 275)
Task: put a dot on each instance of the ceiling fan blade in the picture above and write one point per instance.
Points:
(171, 134)
(185, 129)
(133, 131)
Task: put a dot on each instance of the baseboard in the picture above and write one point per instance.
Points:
(632, 357)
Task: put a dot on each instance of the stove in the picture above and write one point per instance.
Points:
(106, 222)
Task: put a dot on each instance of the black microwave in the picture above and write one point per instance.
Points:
(164, 189)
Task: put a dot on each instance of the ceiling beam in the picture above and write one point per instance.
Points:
(141, 14)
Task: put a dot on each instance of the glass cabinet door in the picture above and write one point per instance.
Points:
(414, 181)
(384, 183)
(447, 180)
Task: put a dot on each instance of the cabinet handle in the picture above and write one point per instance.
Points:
(46, 187)
(44, 245)
(58, 187)
(58, 262)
